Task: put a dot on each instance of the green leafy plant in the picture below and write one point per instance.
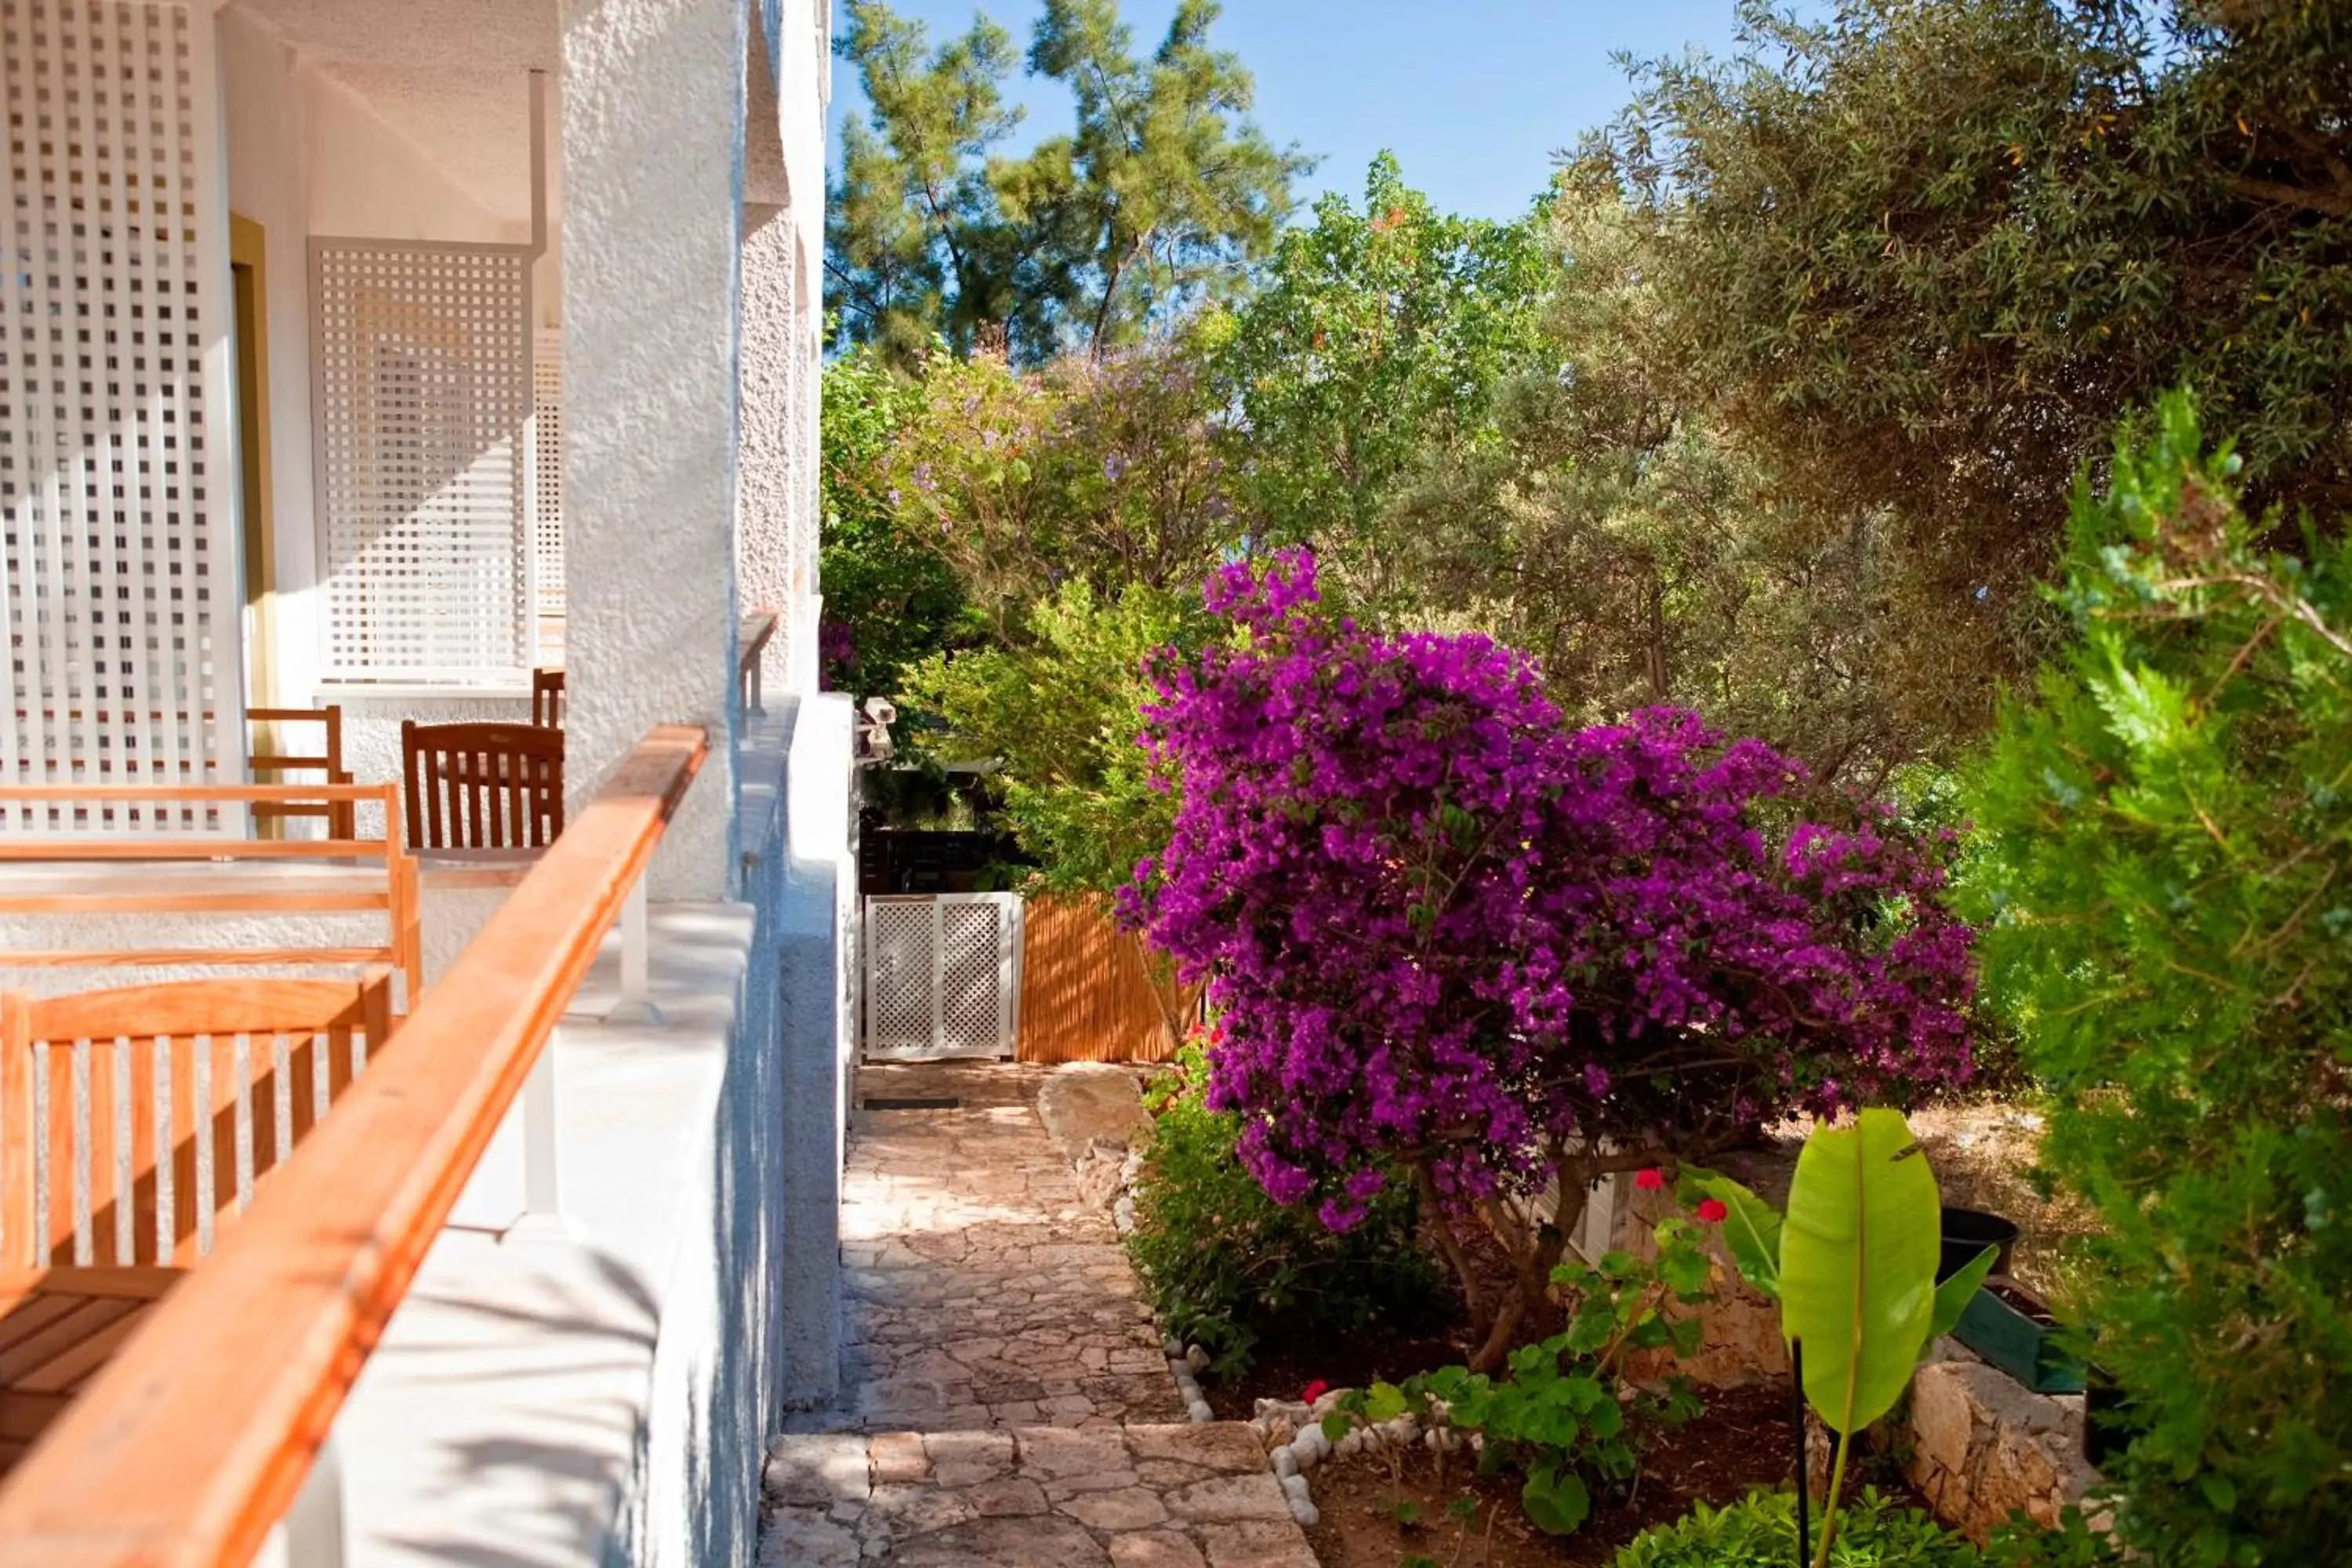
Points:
(1222, 1262)
(1761, 1531)
(2163, 834)
(1558, 1416)
(1853, 1264)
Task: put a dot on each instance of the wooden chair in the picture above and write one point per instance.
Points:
(482, 786)
(94, 1231)
(547, 699)
(271, 768)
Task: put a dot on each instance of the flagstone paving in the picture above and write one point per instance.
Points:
(1005, 1399)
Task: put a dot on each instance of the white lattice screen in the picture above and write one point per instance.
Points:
(119, 582)
(421, 403)
(942, 975)
(547, 471)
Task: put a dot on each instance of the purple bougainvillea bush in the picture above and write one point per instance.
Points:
(1454, 942)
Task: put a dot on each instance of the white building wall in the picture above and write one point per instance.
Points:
(653, 163)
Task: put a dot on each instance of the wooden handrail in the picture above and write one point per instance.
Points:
(193, 1442)
(751, 641)
(752, 636)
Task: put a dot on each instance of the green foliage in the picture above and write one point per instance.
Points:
(1057, 710)
(1374, 334)
(1159, 192)
(1858, 1254)
(1221, 1262)
(2163, 836)
(1761, 1531)
(1104, 470)
(1608, 523)
(1924, 256)
(889, 598)
(1557, 1416)
(1751, 1227)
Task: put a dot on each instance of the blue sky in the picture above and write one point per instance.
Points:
(1473, 96)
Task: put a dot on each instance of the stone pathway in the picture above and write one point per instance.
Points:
(1005, 1400)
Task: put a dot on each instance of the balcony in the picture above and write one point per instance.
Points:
(411, 352)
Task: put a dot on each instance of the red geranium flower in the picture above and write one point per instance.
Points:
(1651, 1181)
(1712, 1210)
(1314, 1391)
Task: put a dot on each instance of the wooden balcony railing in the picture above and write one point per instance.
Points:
(193, 1442)
(750, 642)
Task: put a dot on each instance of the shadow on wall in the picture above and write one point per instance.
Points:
(592, 1318)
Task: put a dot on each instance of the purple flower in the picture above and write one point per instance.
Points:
(1442, 928)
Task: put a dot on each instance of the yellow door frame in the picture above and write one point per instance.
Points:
(249, 272)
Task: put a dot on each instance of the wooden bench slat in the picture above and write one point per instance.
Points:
(89, 1314)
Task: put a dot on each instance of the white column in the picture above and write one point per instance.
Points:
(653, 142)
(769, 502)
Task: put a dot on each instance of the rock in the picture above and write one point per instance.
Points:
(1983, 1445)
(1042, 1540)
(1155, 1548)
(1196, 1358)
(1175, 1348)
(816, 1470)
(897, 1457)
(1007, 1499)
(795, 1539)
(1225, 1448)
(1055, 1453)
(1310, 1448)
(1132, 1508)
(1257, 1544)
(1087, 1102)
(1304, 1511)
(967, 1458)
(1286, 1463)
(1199, 1410)
(1230, 1499)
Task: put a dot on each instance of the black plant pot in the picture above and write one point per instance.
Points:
(1968, 1232)
(2111, 1424)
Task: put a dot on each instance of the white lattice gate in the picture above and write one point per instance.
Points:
(119, 583)
(942, 975)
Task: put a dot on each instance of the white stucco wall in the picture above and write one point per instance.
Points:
(653, 170)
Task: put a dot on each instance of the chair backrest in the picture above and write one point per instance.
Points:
(275, 767)
(482, 786)
(134, 1122)
(547, 699)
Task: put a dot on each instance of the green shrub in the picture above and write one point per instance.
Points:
(1557, 1416)
(1761, 1531)
(2163, 842)
(1225, 1264)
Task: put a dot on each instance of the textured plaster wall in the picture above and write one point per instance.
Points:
(653, 149)
(817, 919)
(776, 485)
